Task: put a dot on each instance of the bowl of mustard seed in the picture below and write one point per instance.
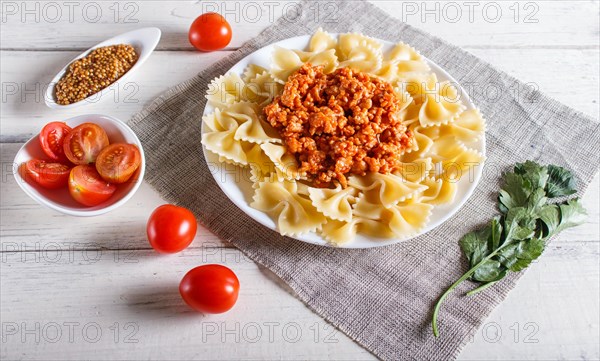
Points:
(88, 77)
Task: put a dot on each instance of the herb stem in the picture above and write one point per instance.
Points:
(481, 288)
(436, 310)
(527, 219)
(467, 274)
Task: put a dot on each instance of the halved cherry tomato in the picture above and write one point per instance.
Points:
(84, 142)
(171, 229)
(48, 175)
(51, 139)
(210, 288)
(87, 187)
(117, 162)
(210, 32)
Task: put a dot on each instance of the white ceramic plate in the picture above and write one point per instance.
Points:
(60, 199)
(144, 42)
(235, 182)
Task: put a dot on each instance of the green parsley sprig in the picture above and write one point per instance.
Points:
(512, 240)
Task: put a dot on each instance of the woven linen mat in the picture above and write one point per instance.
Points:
(380, 297)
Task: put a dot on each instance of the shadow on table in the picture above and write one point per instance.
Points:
(161, 301)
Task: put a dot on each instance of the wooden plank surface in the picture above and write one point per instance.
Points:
(499, 24)
(65, 274)
(126, 305)
(137, 291)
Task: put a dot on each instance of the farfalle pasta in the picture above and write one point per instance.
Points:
(321, 41)
(225, 90)
(262, 88)
(403, 61)
(294, 213)
(438, 102)
(439, 191)
(285, 164)
(333, 203)
(395, 201)
(385, 189)
(287, 61)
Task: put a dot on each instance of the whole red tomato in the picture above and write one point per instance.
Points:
(210, 288)
(210, 32)
(171, 229)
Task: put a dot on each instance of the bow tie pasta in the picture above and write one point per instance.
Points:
(278, 126)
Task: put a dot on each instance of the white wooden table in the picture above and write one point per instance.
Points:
(75, 288)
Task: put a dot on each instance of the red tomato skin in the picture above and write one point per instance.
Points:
(210, 32)
(171, 229)
(51, 140)
(87, 187)
(47, 174)
(210, 288)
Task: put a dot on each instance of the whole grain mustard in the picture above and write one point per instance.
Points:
(94, 72)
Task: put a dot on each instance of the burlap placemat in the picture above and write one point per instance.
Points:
(381, 297)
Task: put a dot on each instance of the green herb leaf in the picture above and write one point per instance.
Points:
(519, 224)
(514, 192)
(536, 174)
(519, 255)
(560, 182)
(489, 271)
(537, 199)
(495, 233)
(572, 214)
(475, 247)
(550, 217)
(512, 241)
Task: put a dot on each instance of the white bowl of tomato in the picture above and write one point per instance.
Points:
(83, 166)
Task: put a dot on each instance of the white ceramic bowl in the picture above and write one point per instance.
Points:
(144, 42)
(236, 184)
(60, 199)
